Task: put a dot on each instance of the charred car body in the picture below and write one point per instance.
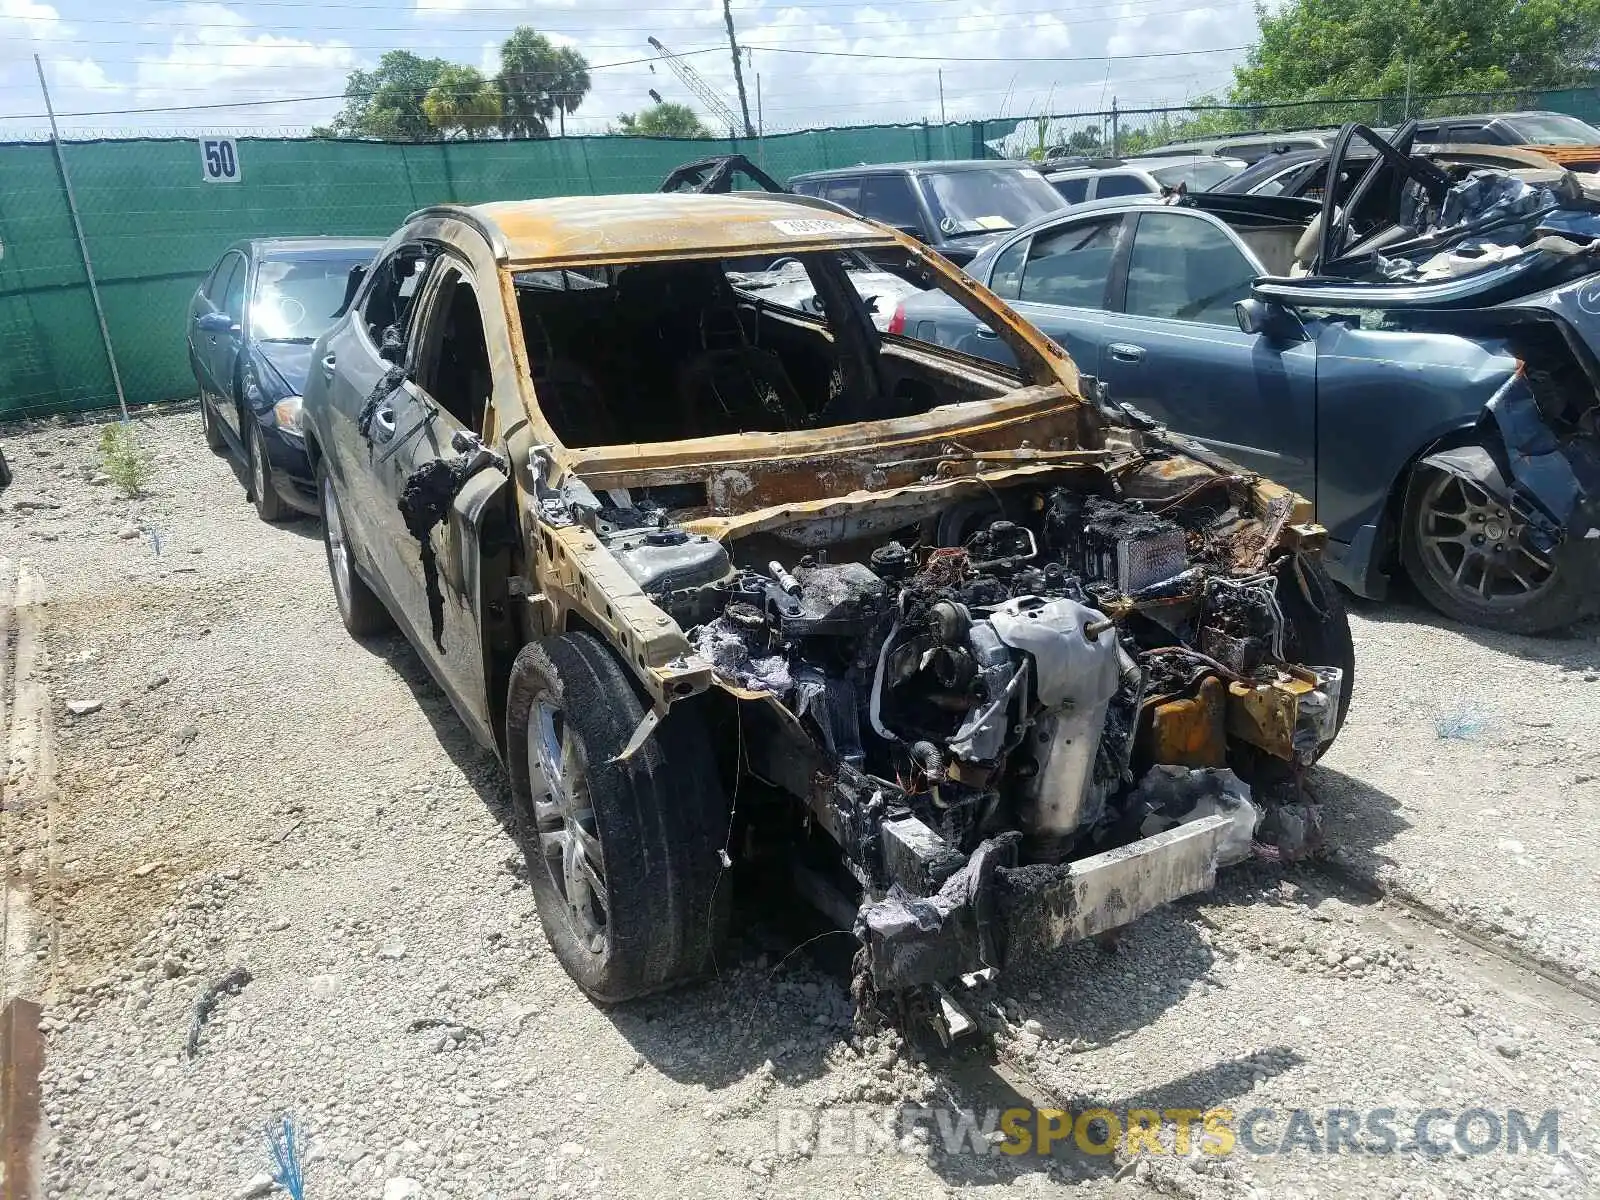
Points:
(983, 665)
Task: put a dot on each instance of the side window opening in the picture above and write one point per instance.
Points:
(387, 308)
(888, 198)
(454, 367)
(1006, 278)
(233, 291)
(1184, 268)
(1070, 267)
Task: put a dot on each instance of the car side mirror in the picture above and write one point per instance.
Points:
(215, 322)
(1270, 320)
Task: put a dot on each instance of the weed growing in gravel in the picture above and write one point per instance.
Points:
(123, 457)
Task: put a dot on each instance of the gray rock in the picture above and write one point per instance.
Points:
(399, 1187)
(82, 708)
(258, 1185)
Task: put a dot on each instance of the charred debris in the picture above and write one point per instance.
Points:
(993, 707)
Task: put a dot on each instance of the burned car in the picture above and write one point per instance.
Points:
(979, 663)
(1416, 352)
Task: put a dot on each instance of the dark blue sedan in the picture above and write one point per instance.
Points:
(1440, 403)
(251, 326)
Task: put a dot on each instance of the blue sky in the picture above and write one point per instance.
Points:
(139, 54)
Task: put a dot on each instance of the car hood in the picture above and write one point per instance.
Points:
(289, 361)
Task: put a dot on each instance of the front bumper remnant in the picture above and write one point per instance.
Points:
(992, 912)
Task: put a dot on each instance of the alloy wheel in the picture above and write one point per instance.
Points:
(338, 548)
(1475, 546)
(564, 818)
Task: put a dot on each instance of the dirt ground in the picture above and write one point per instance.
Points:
(245, 786)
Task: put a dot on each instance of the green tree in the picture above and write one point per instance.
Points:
(538, 80)
(463, 103)
(386, 102)
(665, 119)
(1313, 49)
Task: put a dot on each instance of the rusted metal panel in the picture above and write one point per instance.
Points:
(1190, 732)
(566, 230)
(21, 1060)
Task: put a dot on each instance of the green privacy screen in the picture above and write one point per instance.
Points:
(154, 227)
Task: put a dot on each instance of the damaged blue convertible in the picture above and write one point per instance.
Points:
(1418, 351)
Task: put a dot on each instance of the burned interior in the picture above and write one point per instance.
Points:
(665, 350)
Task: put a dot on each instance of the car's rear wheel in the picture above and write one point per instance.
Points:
(208, 425)
(1469, 556)
(269, 505)
(360, 609)
(623, 855)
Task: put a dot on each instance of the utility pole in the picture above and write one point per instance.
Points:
(738, 69)
(83, 244)
(1408, 90)
(1116, 131)
(761, 126)
(944, 126)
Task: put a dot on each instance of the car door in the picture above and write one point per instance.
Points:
(209, 344)
(1173, 348)
(363, 361)
(226, 346)
(447, 394)
(1059, 280)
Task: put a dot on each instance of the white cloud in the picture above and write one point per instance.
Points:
(219, 56)
(28, 20)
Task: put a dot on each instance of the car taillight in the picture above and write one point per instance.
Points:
(897, 323)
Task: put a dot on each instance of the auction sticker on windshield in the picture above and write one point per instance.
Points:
(818, 227)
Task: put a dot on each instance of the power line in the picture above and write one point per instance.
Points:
(1006, 58)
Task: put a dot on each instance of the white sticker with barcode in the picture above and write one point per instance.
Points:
(817, 227)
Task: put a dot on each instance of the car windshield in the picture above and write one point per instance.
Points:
(297, 296)
(1202, 174)
(984, 201)
(1555, 129)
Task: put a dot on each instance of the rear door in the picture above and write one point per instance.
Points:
(1175, 350)
(1059, 279)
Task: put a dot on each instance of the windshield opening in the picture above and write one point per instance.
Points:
(1555, 129)
(296, 298)
(988, 201)
(1201, 175)
(667, 351)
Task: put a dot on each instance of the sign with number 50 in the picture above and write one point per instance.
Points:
(219, 161)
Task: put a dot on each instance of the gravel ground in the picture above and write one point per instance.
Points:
(253, 789)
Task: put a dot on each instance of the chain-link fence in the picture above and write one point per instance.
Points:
(155, 216)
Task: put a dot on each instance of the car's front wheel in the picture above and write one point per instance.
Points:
(269, 505)
(360, 609)
(1469, 556)
(623, 855)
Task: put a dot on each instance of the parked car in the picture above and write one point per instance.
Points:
(1438, 400)
(1304, 172)
(1247, 146)
(1573, 143)
(251, 325)
(1144, 177)
(955, 207)
(960, 640)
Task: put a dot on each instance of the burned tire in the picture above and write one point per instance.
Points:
(360, 609)
(1318, 631)
(623, 856)
(269, 505)
(1468, 557)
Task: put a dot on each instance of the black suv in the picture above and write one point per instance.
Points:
(956, 207)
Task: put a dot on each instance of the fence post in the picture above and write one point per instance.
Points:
(83, 244)
(1116, 131)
